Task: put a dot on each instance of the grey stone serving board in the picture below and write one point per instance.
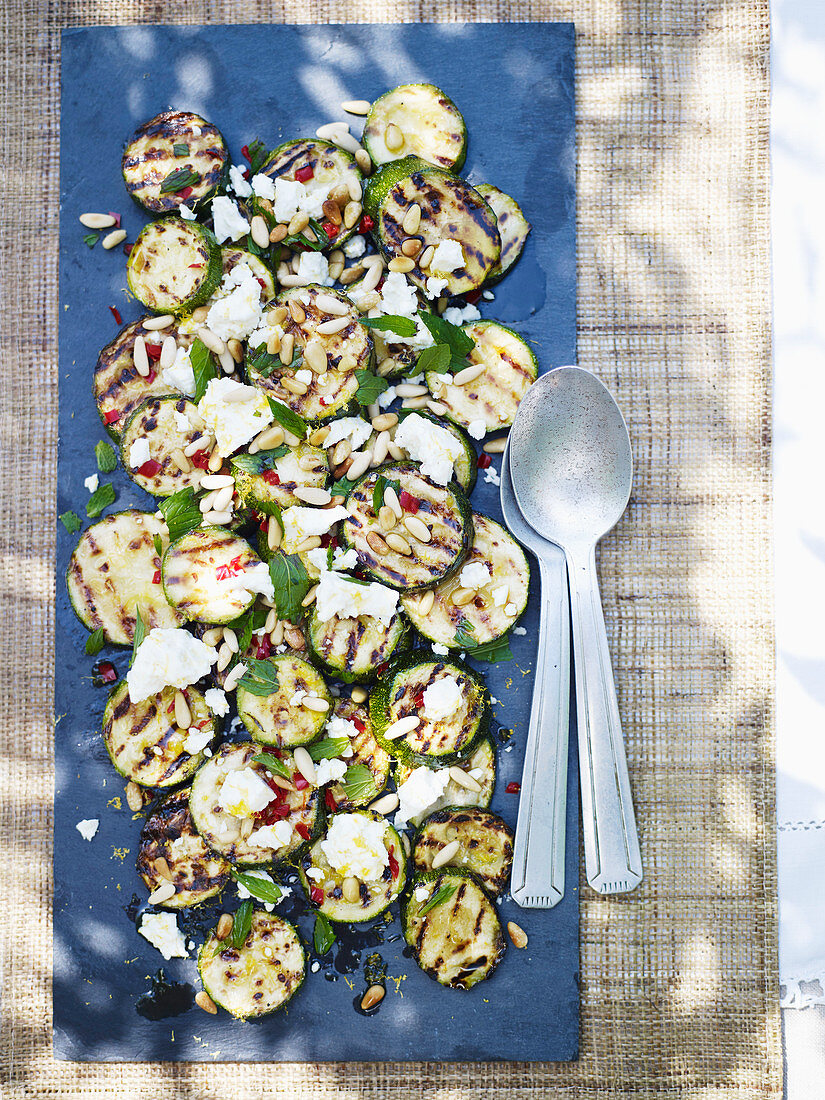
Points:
(514, 84)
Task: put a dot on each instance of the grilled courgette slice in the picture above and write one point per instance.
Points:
(202, 575)
(169, 834)
(118, 388)
(230, 833)
(111, 575)
(451, 210)
(480, 766)
(443, 509)
(174, 265)
(323, 878)
(465, 468)
(485, 844)
(511, 368)
(513, 228)
(496, 605)
(459, 941)
(174, 141)
(232, 256)
(365, 750)
(429, 126)
(267, 480)
(450, 701)
(143, 741)
(259, 977)
(354, 649)
(280, 718)
(158, 420)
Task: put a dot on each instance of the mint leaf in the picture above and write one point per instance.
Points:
(90, 239)
(328, 748)
(260, 678)
(273, 764)
(258, 156)
(157, 542)
(439, 897)
(434, 360)
(381, 485)
(264, 364)
(496, 650)
(369, 387)
(258, 887)
(322, 937)
(95, 642)
(101, 498)
(181, 513)
(321, 239)
(203, 367)
(291, 583)
(106, 457)
(456, 339)
(241, 924)
(287, 418)
(140, 634)
(392, 322)
(342, 487)
(71, 521)
(358, 783)
(181, 149)
(177, 180)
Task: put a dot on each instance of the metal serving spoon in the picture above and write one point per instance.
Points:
(538, 859)
(572, 470)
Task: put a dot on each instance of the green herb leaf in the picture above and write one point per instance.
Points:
(90, 239)
(287, 418)
(258, 156)
(180, 149)
(381, 485)
(140, 634)
(321, 238)
(106, 457)
(497, 650)
(442, 894)
(434, 360)
(95, 642)
(71, 521)
(101, 498)
(181, 513)
(456, 339)
(273, 764)
(203, 367)
(369, 387)
(245, 636)
(342, 487)
(291, 583)
(260, 678)
(358, 783)
(157, 542)
(392, 322)
(258, 887)
(264, 364)
(241, 924)
(323, 936)
(178, 179)
(328, 748)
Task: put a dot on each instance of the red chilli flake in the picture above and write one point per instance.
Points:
(484, 460)
(513, 788)
(359, 725)
(261, 283)
(302, 830)
(299, 781)
(111, 417)
(245, 153)
(332, 805)
(112, 214)
(418, 698)
(201, 460)
(222, 572)
(127, 247)
(107, 673)
(196, 267)
(151, 376)
(150, 468)
(184, 193)
(330, 229)
(472, 297)
(153, 351)
(271, 477)
(316, 894)
(304, 174)
(394, 868)
(366, 224)
(408, 502)
(156, 577)
(263, 648)
(116, 314)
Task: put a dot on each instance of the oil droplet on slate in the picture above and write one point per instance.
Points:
(165, 998)
(352, 941)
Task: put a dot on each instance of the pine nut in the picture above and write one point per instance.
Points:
(272, 437)
(445, 854)
(411, 247)
(464, 780)
(316, 438)
(215, 461)
(163, 893)
(332, 211)
(436, 407)
(401, 263)
(336, 270)
(97, 221)
(287, 348)
(212, 636)
(309, 598)
(310, 494)
(224, 926)
(277, 234)
(233, 677)
(386, 366)
(351, 274)
(202, 998)
(284, 784)
(329, 328)
(141, 357)
(341, 451)
(315, 355)
(417, 528)
(401, 727)
(162, 868)
(273, 343)
(356, 106)
(516, 934)
(298, 222)
(259, 231)
(372, 277)
(231, 638)
(415, 402)
(393, 137)
(379, 451)
(460, 597)
(385, 805)
(277, 315)
(213, 342)
(223, 500)
(113, 239)
(412, 219)
(312, 702)
(276, 636)
(395, 452)
(469, 374)
(217, 481)
(425, 259)
(496, 446)
(362, 159)
(359, 694)
(348, 363)
(411, 389)
(200, 314)
(386, 517)
(296, 311)
(154, 324)
(384, 421)
(293, 637)
(308, 463)
(334, 306)
(374, 996)
(311, 543)
(352, 213)
(398, 543)
(376, 543)
(351, 889)
(134, 797)
(360, 464)
(293, 386)
(183, 715)
(273, 535)
(217, 519)
(425, 603)
(235, 349)
(391, 498)
(224, 657)
(304, 764)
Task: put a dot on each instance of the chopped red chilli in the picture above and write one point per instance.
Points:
(366, 224)
(304, 174)
(271, 477)
(116, 314)
(484, 460)
(394, 868)
(111, 416)
(201, 460)
(316, 894)
(156, 577)
(245, 153)
(153, 351)
(472, 296)
(112, 214)
(513, 788)
(332, 805)
(299, 781)
(302, 830)
(107, 673)
(408, 502)
(150, 468)
(330, 229)
(184, 193)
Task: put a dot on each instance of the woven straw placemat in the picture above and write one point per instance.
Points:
(678, 979)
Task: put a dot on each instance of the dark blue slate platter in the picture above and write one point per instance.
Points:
(515, 85)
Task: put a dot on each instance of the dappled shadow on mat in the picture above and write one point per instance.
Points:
(679, 979)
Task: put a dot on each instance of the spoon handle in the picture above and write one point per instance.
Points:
(538, 859)
(613, 862)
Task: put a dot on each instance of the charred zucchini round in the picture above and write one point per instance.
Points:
(427, 124)
(354, 649)
(267, 480)
(513, 228)
(465, 468)
(485, 844)
(174, 265)
(258, 977)
(231, 256)
(174, 152)
(111, 575)
(158, 421)
(203, 573)
(143, 741)
(444, 510)
(169, 841)
(233, 834)
(364, 749)
(479, 767)
(281, 718)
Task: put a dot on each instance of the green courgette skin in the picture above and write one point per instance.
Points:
(411, 107)
(368, 646)
(271, 719)
(513, 228)
(189, 242)
(485, 839)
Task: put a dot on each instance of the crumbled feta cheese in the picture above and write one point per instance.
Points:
(243, 792)
(355, 846)
(179, 374)
(92, 482)
(139, 452)
(327, 771)
(491, 476)
(293, 197)
(439, 650)
(197, 740)
(341, 559)
(511, 609)
(356, 246)
(88, 827)
(353, 428)
(237, 309)
(187, 214)
(386, 398)
(314, 966)
(304, 523)
(315, 873)
(434, 286)
(182, 422)
(233, 421)
(341, 727)
(272, 836)
(398, 295)
(238, 182)
(298, 698)
(477, 429)
(448, 256)
(256, 579)
(168, 656)
(500, 595)
(305, 376)
(161, 930)
(442, 698)
(421, 892)
(313, 267)
(229, 221)
(436, 448)
(263, 187)
(475, 575)
(421, 790)
(487, 295)
(243, 893)
(342, 598)
(457, 316)
(520, 630)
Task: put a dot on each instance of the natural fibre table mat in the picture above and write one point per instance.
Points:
(679, 978)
